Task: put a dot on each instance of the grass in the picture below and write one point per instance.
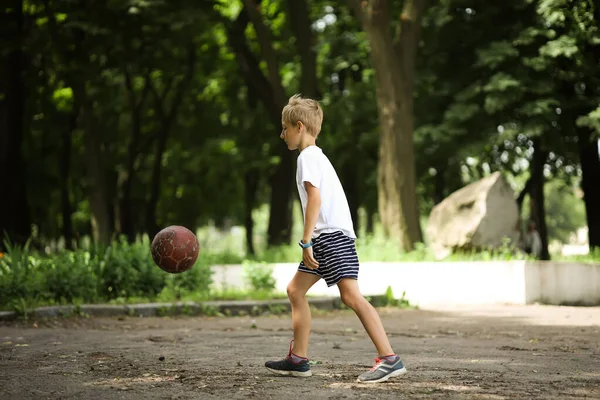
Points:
(593, 256)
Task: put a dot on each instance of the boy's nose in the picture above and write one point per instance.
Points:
(281, 135)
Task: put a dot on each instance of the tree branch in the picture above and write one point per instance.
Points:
(145, 92)
(249, 65)
(167, 117)
(372, 12)
(300, 22)
(361, 10)
(180, 90)
(157, 101)
(407, 41)
(522, 195)
(166, 90)
(266, 46)
(129, 86)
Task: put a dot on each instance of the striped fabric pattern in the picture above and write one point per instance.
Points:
(337, 258)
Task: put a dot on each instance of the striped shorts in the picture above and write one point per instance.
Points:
(337, 258)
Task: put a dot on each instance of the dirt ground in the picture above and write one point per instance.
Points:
(500, 352)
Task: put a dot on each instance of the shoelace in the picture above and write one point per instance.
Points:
(378, 362)
(289, 356)
(290, 352)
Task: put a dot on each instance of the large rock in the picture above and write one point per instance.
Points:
(480, 215)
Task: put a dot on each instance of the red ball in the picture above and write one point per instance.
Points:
(175, 249)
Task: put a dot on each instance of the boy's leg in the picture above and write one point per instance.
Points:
(387, 364)
(301, 319)
(296, 363)
(351, 296)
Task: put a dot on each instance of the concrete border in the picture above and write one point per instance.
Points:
(433, 284)
(207, 308)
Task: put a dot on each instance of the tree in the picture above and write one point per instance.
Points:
(14, 210)
(394, 63)
(269, 89)
(167, 115)
(537, 197)
(573, 49)
(515, 106)
(119, 133)
(75, 40)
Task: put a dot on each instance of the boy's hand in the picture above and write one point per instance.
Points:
(309, 260)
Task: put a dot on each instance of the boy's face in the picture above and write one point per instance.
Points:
(291, 135)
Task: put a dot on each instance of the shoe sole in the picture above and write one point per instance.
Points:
(298, 374)
(385, 378)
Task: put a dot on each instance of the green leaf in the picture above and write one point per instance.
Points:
(496, 53)
(563, 46)
(536, 63)
(462, 112)
(501, 82)
(540, 107)
(63, 98)
(592, 120)
(528, 36)
(228, 146)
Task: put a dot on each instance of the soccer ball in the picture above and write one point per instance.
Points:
(175, 249)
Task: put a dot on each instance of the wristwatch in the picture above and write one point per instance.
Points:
(305, 245)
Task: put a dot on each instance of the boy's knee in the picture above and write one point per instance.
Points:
(351, 300)
(293, 292)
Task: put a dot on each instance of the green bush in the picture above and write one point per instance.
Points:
(127, 270)
(192, 283)
(70, 276)
(21, 281)
(117, 273)
(259, 277)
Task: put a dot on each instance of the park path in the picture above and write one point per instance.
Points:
(496, 352)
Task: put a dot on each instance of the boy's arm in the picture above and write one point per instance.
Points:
(313, 208)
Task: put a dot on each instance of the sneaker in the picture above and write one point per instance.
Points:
(292, 365)
(384, 369)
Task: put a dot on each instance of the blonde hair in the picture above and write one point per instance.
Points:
(308, 111)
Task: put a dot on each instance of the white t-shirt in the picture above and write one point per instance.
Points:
(315, 167)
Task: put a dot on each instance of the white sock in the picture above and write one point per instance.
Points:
(298, 359)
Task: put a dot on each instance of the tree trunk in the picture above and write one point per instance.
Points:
(301, 25)
(125, 209)
(280, 218)
(14, 209)
(282, 181)
(75, 50)
(590, 183)
(394, 65)
(65, 179)
(439, 185)
(370, 220)
(98, 195)
(167, 118)
(151, 222)
(251, 179)
(350, 180)
(538, 210)
(279, 229)
(522, 195)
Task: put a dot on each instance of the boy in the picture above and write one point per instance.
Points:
(328, 248)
